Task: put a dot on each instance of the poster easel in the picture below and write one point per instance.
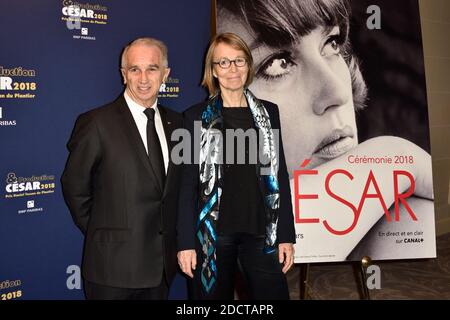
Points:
(361, 274)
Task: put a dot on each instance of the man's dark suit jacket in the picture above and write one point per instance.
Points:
(127, 217)
(188, 211)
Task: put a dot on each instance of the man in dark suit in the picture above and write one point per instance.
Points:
(121, 186)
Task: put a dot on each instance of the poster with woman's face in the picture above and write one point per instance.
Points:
(348, 79)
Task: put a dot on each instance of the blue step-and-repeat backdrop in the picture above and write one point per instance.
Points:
(59, 58)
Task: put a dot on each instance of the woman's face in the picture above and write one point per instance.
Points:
(232, 78)
(311, 84)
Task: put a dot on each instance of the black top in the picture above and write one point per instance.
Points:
(189, 185)
(241, 206)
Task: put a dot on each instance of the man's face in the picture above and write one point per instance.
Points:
(143, 73)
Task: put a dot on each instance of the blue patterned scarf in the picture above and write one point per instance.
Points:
(211, 181)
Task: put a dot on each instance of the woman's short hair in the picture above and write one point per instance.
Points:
(233, 40)
(279, 23)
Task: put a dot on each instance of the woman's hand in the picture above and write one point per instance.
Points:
(286, 255)
(187, 260)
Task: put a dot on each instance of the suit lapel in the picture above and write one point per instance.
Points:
(135, 138)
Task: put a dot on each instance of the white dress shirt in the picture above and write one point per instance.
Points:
(141, 122)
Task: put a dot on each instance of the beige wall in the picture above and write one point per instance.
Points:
(435, 19)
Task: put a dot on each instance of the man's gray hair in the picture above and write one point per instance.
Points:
(151, 42)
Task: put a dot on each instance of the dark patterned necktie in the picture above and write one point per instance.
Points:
(154, 147)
